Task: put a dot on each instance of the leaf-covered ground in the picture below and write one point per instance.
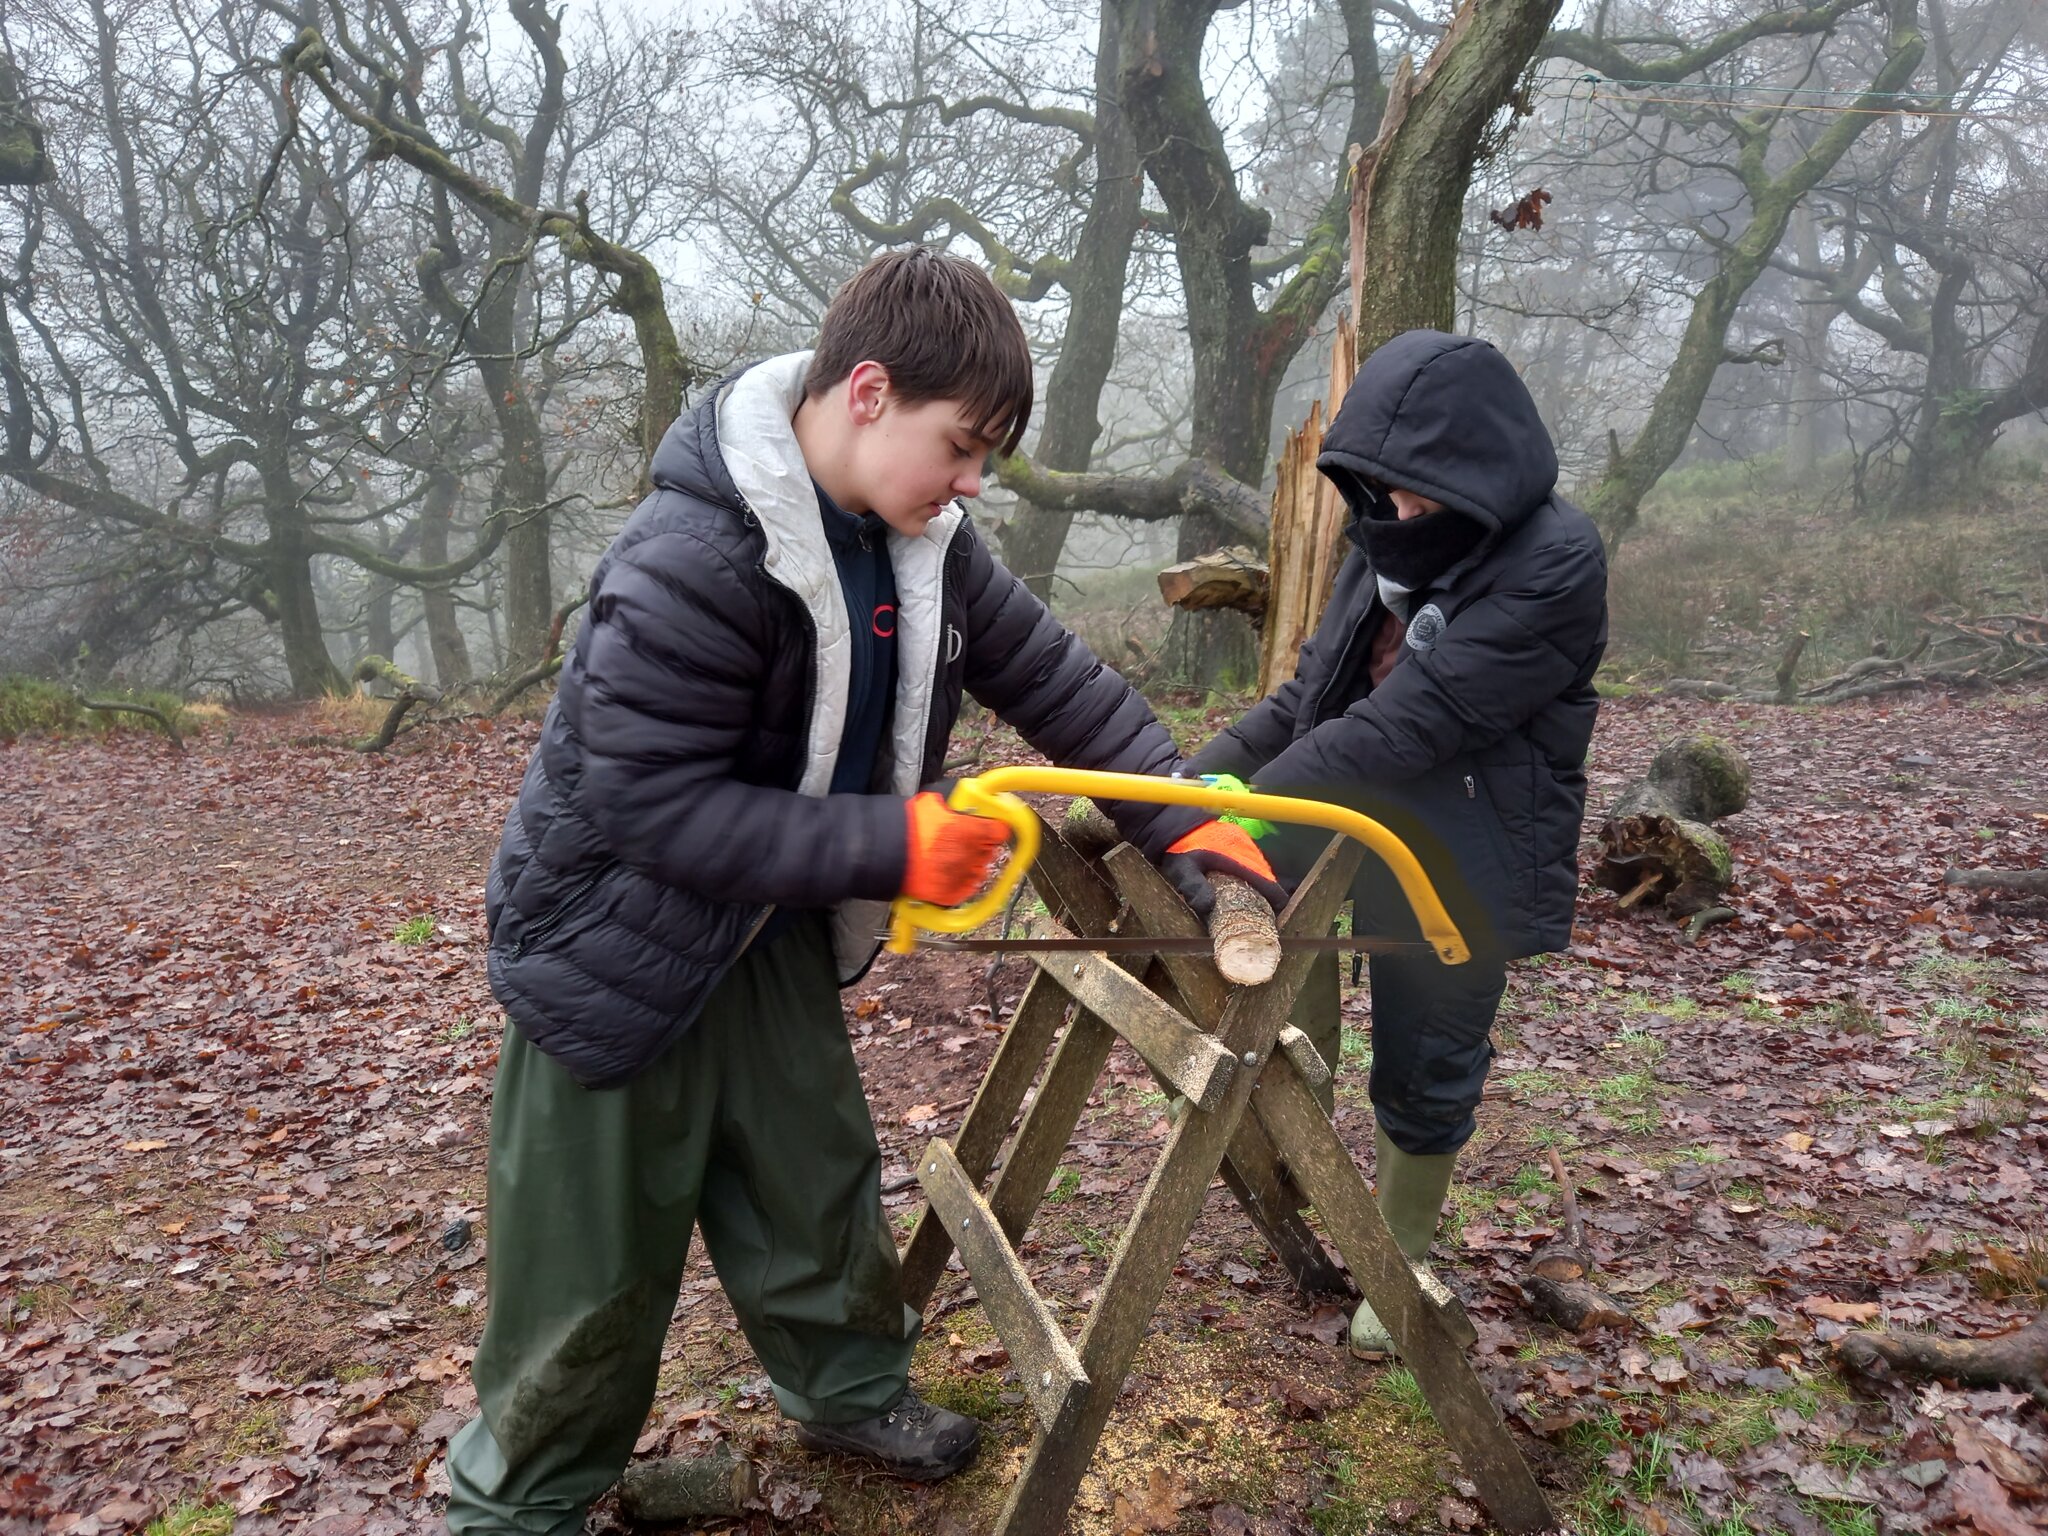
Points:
(248, 1062)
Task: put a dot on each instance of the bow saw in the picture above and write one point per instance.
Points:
(995, 794)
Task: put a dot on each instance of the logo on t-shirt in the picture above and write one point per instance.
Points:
(1426, 628)
(885, 621)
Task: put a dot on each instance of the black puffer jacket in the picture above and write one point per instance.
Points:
(1474, 746)
(679, 789)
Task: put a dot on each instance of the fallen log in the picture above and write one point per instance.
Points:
(168, 725)
(1657, 846)
(410, 691)
(2017, 1359)
(2020, 882)
(671, 1489)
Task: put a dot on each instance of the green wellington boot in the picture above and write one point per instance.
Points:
(1412, 1191)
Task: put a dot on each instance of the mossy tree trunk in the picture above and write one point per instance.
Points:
(1632, 469)
(1094, 280)
(1240, 351)
(1411, 187)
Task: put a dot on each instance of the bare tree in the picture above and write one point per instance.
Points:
(174, 338)
(1769, 193)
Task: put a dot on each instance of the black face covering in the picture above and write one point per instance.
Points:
(1418, 551)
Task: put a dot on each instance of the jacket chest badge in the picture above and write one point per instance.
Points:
(1426, 628)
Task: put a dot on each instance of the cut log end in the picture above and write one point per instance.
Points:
(1241, 926)
(1226, 578)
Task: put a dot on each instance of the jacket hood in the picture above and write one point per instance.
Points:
(1446, 416)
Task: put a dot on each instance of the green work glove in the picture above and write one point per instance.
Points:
(1232, 784)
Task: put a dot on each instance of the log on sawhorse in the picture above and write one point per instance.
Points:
(1252, 1115)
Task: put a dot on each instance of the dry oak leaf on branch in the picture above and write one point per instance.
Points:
(1524, 213)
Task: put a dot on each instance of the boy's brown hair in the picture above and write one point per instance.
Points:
(942, 329)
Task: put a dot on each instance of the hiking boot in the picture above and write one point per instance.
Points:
(913, 1439)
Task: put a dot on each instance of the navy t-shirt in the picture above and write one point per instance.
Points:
(867, 580)
(860, 548)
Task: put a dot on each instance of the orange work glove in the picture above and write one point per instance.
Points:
(951, 854)
(1226, 849)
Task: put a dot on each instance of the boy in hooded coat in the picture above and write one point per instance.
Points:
(725, 796)
(1447, 691)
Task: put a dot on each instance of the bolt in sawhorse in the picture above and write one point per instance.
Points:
(1252, 1116)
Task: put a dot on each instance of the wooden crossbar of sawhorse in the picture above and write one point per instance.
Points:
(1252, 1115)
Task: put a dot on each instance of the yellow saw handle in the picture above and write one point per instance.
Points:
(995, 794)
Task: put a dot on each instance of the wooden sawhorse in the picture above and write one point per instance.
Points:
(1252, 1116)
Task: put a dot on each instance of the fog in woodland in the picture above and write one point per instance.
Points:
(331, 333)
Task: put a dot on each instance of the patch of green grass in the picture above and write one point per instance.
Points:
(1678, 1008)
(1842, 1519)
(1955, 1011)
(1940, 965)
(461, 1029)
(1092, 1241)
(976, 1394)
(415, 930)
(1400, 1390)
(1940, 1107)
(1706, 1156)
(1740, 983)
(1063, 1186)
(257, 1432)
(1530, 1083)
(1626, 1090)
(1382, 1448)
(1553, 1136)
(1640, 1045)
(189, 1518)
(1527, 1180)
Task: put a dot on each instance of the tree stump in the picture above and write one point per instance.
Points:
(1657, 847)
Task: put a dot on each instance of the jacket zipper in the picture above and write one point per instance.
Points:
(550, 920)
(948, 583)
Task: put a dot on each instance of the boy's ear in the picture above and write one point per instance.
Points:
(867, 392)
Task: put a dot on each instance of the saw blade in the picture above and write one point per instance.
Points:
(1146, 944)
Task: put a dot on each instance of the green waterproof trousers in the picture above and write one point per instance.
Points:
(754, 1126)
